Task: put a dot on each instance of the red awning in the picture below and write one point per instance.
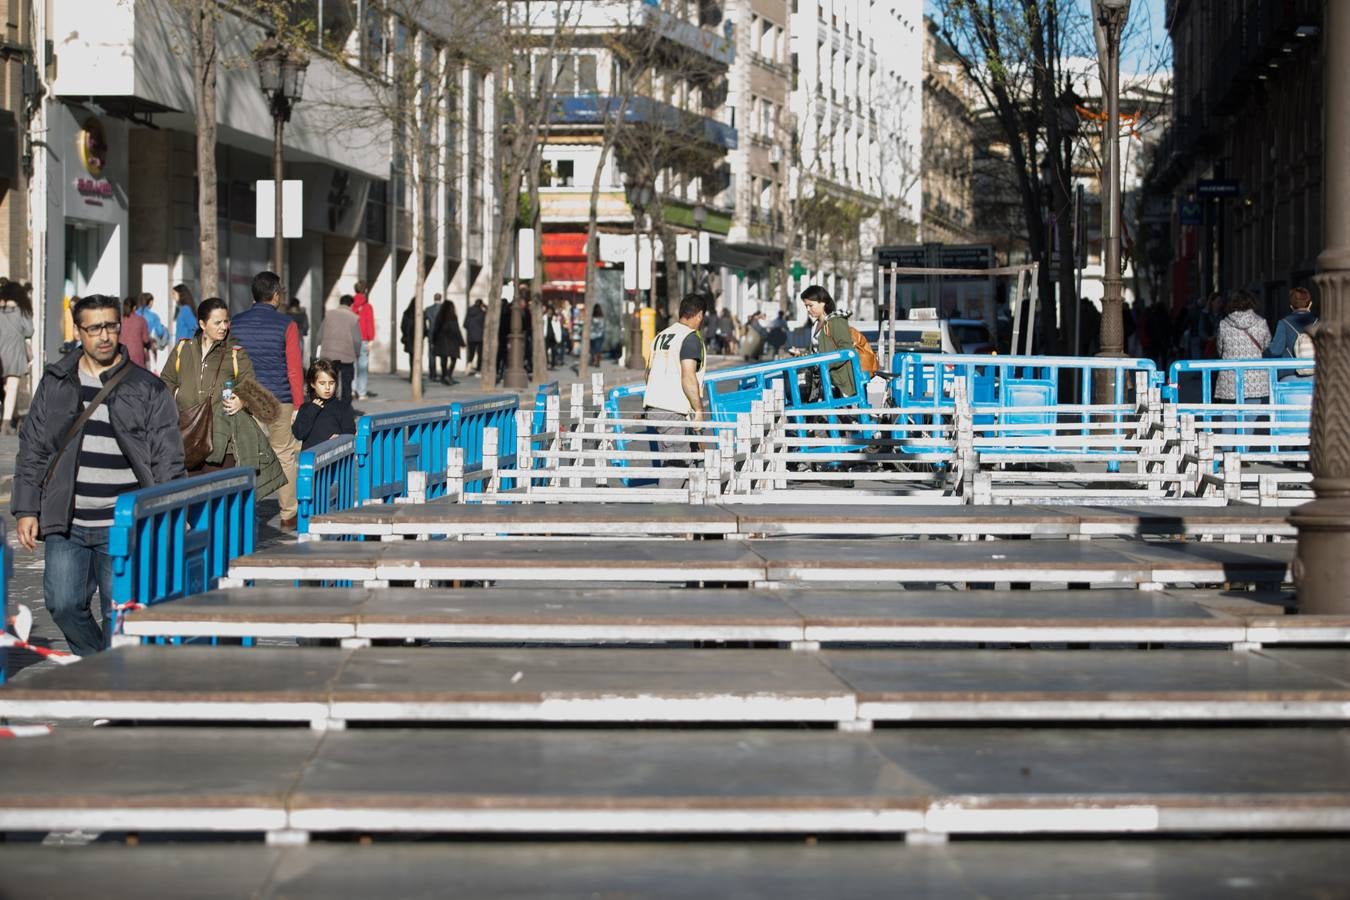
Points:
(565, 257)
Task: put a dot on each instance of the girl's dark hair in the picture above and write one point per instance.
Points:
(210, 305)
(184, 294)
(1241, 300)
(128, 306)
(598, 311)
(13, 291)
(818, 293)
(315, 368)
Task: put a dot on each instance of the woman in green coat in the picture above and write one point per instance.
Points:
(830, 332)
(197, 369)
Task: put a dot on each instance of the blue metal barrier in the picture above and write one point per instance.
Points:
(469, 424)
(326, 478)
(390, 445)
(1256, 383)
(177, 539)
(1001, 382)
(6, 576)
(541, 395)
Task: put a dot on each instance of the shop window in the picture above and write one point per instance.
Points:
(564, 169)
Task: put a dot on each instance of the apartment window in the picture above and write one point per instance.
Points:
(588, 79)
(566, 80)
(766, 118)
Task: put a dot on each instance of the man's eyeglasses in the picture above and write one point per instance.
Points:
(100, 328)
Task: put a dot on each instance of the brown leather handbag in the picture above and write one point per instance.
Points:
(196, 422)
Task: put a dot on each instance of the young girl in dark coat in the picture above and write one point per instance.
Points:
(324, 415)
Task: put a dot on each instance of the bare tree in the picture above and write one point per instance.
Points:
(524, 95)
(202, 18)
(1018, 55)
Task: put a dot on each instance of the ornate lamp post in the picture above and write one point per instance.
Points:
(281, 73)
(639, 194)
(1110, 16)
(1322, 566)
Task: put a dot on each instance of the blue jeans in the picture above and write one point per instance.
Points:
(362, 368)
(73, 566)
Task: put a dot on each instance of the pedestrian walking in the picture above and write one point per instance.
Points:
(555, 341)
(213, 370)
(365, 317)
(473, 335)
(829, 331)
(428, 334)
(135, 337)
(272, 340)
(778, 335)
(673, 396)
(447, 340)
(1243, 334)
(185, 315)
(1299, 320)
(16, 351)
(340, 341)
(99, 426)
(324, 415)
(301, 319)
(159, 335)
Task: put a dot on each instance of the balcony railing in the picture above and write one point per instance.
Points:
(718, 47)
(594, 109)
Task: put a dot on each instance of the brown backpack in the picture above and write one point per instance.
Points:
(867, 359)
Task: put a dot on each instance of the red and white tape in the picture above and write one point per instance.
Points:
(23, 731)
(57, 656)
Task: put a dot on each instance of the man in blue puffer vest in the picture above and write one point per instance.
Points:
(272, 340)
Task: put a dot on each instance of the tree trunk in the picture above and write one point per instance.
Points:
(418, 158)
(203, 30)
(672, 269)
(537, 349)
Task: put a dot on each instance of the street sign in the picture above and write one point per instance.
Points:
(1217, 187)
(292, 209)
(1191, 213)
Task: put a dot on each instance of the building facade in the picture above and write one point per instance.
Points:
(949, 138)
(857, 108)
(642, 96)
(121, 169)
(1242, 161)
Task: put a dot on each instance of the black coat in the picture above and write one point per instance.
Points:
(315, 424)
(144, 419)
(446, 338)
(473, 323)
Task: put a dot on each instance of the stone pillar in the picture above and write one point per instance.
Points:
(1322, 566)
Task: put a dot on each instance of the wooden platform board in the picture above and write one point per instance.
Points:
(444, 517)
(937, 780)
(783, 615)
(1102, 562)
(325, 686)
(977, 870)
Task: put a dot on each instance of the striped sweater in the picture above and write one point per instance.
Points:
(102, 471)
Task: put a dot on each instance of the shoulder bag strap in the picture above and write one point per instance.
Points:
(85, 415)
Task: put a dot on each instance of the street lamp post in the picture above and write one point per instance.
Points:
(281, 73)
(639, 194)
(1110, 16)
(1322, 564)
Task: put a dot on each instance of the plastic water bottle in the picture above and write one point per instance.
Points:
(228, 393)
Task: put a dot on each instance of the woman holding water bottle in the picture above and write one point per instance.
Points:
(209, 366)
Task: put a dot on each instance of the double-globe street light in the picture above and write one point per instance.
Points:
(640, 194)
(1110, 17)
(281, 73)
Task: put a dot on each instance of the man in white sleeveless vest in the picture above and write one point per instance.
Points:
(673, 393)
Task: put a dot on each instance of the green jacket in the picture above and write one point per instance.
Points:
(835, 336)
(239, 434)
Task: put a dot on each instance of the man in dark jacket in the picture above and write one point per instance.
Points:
(64, 493)
(473, 334)
(272, 340)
